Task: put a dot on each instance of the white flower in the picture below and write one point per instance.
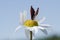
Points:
(28, 28)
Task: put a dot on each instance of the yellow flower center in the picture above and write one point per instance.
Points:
(30, 23)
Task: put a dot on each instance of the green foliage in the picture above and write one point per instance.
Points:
(50, 38)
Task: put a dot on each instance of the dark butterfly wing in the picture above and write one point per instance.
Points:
(32, 11)
(36, 13)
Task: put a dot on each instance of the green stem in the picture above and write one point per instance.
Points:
(30, 35)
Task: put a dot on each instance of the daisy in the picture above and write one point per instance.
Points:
(31, 26)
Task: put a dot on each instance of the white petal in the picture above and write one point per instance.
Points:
(43, 29)
(29, 28)
(19, 27)
(45, 25)
(35, 29)
(27, 32)
(42, 20)
(23, 17)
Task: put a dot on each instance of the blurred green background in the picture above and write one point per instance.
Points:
(52, 37)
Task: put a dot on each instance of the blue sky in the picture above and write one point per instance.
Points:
(9, 16)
